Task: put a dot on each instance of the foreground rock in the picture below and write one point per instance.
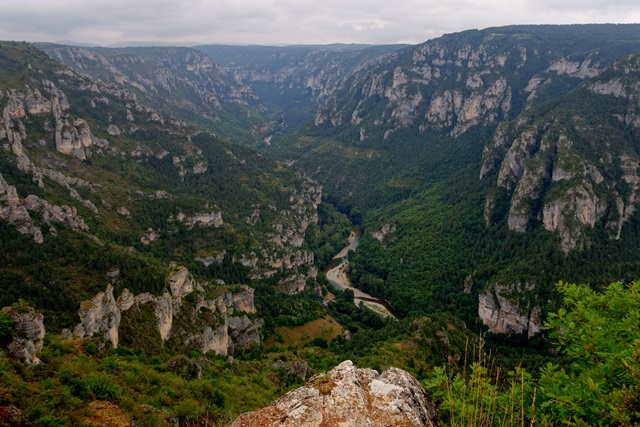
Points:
(347, 396)
(29, 329)
(10, 416)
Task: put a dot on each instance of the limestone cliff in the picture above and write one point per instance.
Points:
(295, 78)
(500, 310)
(185, 79)
(559, 171)
(454, 83)
(412, 94)
(184, 315)
(29, 334)
(72, 136)
(348, 396)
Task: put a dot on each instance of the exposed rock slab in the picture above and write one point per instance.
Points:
(348, 397)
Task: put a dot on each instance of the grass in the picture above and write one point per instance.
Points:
(325, 327)
(481, 395)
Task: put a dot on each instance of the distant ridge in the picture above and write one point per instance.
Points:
(152, 43)
(75, 43)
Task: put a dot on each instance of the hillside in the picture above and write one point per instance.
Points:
(181, 82)
(98, 187)
(294, 78)
(165, 221)
(399, 146)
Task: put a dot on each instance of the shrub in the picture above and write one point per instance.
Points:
(187, 410)
(6, 328)
(50, 421)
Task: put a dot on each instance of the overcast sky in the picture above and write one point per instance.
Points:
(106, 22)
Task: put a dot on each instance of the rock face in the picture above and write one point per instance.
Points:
(100, 315)
(10, 416)
(297, 78)
(203, 219)
(188, 80)
(219, 325)
(29, 328)
(384, 231)
(16, 211)
(555, 172)
(347, 396)
(451, 84)
(71, 136)
(504, 316)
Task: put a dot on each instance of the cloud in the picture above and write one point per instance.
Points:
(288, 21)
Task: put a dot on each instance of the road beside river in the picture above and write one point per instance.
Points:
(337, 276)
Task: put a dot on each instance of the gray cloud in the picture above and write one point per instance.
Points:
(288, 21)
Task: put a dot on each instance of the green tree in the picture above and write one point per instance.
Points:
(600, 334)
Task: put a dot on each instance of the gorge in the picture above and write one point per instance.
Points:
(181, 222)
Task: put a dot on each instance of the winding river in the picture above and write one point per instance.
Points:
(337, 276)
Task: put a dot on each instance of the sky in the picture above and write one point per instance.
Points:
(106, 22)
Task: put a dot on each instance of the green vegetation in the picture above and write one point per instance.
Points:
(7, 331)
(329, 236)
(597, 381)
(178, 82)
(149, 181)
(420, 184)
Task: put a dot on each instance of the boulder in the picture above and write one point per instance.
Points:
(348, 397)
(10, 416)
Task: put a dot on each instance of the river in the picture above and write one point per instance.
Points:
(337, 276)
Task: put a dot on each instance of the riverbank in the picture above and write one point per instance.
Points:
(337, 276)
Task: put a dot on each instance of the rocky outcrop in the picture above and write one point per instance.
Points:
(74, 138)
(622, 84)
(16, 211)
(553, 172)
(384, 231)
(100, 315)
(580, 69)
(570, 213)
(71, 136)
(202, 219)
(11, 416)
(501, 311)
(348, 396)
(29, 334)
(244, 333)
(484, 106)
(219, 325)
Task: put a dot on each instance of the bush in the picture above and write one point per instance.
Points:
(319, 342)
(102, 387)
(187, 410)
(50, 421)
(6, 328)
